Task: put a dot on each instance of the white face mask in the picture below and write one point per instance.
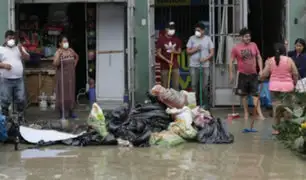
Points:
(197, 34)
(171, 32)
(65, 45)
(11, 43)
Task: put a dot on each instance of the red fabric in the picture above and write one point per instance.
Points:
(162, 43)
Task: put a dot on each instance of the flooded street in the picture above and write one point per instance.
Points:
(251, 156)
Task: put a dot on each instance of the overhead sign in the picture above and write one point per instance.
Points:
(172, 2)
(180, 2)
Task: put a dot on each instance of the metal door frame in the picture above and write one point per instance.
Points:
(217, 6)
(11, 15)
(131, 50)
(151, 41)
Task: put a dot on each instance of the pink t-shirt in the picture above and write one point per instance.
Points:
(246, 54)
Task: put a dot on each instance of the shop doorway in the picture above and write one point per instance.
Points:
(39, 27)
(267, 23)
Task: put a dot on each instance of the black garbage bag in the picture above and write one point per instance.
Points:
(214, 132)
(117, 119)
(91, 139)
(137, 124)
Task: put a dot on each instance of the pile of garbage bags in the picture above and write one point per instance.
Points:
(168, 118)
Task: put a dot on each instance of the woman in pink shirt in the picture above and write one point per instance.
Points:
(283, 77)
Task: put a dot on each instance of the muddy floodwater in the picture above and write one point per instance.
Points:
(250, 157)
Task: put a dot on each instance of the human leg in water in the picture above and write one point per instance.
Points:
(19, 98)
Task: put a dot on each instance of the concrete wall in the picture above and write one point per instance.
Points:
(296, 29)
(3, 18)
(142, 47)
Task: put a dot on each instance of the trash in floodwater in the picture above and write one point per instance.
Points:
(182, 125)
(166, 139)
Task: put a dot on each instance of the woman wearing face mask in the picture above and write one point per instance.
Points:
(299, 56)
(65, 61)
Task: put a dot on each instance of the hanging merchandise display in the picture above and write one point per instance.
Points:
(91, 55)
(91, 40)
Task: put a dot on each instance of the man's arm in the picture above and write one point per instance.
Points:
(259, 59)
(159, 54)
(266, 71)
(191, 50)
(178, 49)
(211, 52)
(23, 52)
(230, 66)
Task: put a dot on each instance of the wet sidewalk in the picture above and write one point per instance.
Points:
(251, 156)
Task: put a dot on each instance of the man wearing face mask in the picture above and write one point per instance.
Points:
(200, 49)
(11, 70)
(167, 45)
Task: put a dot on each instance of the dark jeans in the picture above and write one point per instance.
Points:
(12, 90)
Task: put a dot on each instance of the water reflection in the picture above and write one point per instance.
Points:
(250, 157)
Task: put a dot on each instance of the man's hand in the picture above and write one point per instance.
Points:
(170, 63)
(20, 48)
(7, 66)
(203, 60)
(231, 77)
(199, 47)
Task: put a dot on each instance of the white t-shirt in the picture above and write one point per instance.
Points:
(11, 56)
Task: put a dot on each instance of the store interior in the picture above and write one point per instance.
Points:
(39, 27)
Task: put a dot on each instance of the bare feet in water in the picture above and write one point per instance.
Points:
(275, 132)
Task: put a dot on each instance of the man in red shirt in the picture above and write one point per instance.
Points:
(166, 45)
(246, 53)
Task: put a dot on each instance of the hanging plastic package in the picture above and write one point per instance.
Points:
(96, 120)
(191, 99)
(166, 139)
(3, 131)
(170, 97)
(182, 125)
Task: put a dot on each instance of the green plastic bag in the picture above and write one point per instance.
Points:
(96, 120)
(166, 139)
(179, 127)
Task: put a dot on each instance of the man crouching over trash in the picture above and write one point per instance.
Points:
(11, 70)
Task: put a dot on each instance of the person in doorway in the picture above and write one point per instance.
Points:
(246, 53)
(286, 46)
(168, 48)
(299, 56)
(11, 72)
(65, 60)
(283, 77)
(200, 49)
